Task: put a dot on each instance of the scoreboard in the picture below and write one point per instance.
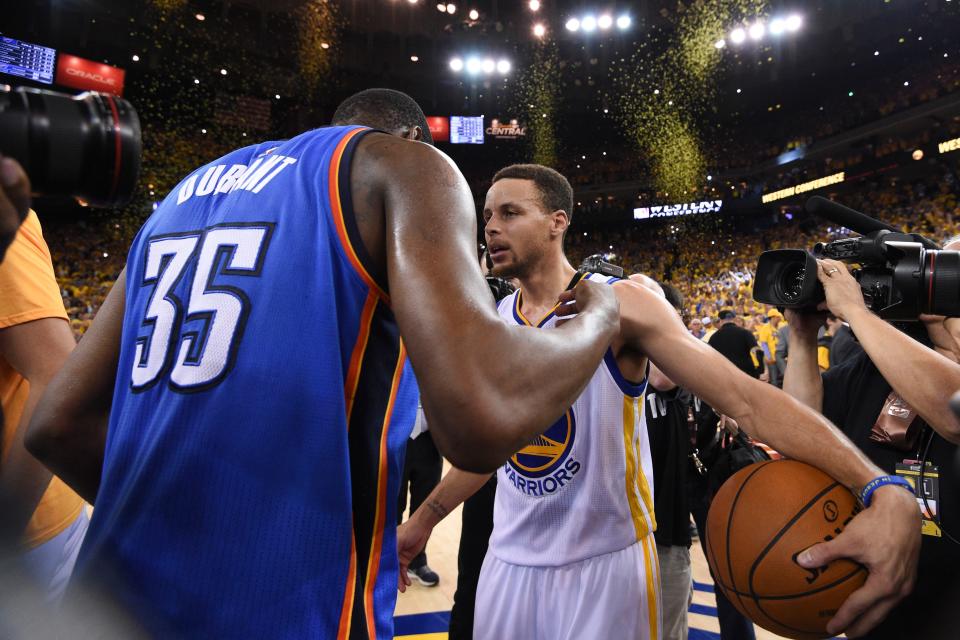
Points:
(25, 60)
(466, 129)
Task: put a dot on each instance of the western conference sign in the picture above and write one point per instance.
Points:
(670, 210)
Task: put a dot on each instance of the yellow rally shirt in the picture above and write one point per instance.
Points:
(29, 291)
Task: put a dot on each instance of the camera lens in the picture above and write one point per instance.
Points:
(790, 282)
(942, 282)
(87, 146)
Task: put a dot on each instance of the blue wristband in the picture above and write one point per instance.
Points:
(867, 494)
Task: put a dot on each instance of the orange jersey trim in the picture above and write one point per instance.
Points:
(337, 208)
(373, 563)
(359, 349)
(346, 611)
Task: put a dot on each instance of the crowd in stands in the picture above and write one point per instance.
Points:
(711, 264)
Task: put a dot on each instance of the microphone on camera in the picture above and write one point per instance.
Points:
(845, 216)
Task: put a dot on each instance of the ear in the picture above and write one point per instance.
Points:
(559, 222)
(414, 133)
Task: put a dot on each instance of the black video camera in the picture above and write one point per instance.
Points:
(85, 146)
(902, 275)
(596, 264)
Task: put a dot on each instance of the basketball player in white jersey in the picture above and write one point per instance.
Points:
(572, 553)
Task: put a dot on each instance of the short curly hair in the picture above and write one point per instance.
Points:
(556, 194)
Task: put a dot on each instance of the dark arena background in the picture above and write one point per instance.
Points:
(692, 134)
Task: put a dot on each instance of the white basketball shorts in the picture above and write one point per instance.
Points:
(616, 595)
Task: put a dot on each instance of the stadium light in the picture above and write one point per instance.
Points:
(474, 14)
(474, 65)
(605, 22)
(777, 26)
(534, 5)
(588, 24)
(623, 22)
(488, 65)
(720, 44)
(573, 24)
(442, 8)
(414, 58)
(503, 66)
(539, 30)
(456, 64)
(200, 17)
(738, 35)
(757, 30)
(794, 23)
(451, 8)
(135, 58)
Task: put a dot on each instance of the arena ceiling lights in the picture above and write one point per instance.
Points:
(475, 65)
(590, 22)
(759, 29)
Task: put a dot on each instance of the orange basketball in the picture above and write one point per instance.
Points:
(759, 522)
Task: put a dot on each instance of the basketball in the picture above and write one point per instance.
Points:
(761, 519)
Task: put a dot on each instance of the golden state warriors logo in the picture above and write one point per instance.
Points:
(545, 465)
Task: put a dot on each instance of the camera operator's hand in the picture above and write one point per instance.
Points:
(805, 324)
(885, 538)
(14, 201)
(842, 290)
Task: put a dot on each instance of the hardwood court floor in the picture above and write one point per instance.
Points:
(421, 611)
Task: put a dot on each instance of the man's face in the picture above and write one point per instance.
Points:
(518, 230)
(696, 326)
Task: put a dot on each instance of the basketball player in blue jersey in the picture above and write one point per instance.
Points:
(572, 553)
(238, 410)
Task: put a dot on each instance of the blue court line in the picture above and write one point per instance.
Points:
(700, 634)
(435, 622)
(703, 609)
(702, 586)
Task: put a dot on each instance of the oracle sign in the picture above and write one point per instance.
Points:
(439, 128)
(81, 73)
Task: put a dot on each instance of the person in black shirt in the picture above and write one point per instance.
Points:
(891, 400)
(737, 345)
(844, 345)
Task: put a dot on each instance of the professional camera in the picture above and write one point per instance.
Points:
(596, 264)
(902, 275)
(85, 146)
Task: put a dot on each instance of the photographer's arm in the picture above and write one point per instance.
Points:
(802, 380)
(922, 377)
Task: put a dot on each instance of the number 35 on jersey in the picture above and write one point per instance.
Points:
(194, 342)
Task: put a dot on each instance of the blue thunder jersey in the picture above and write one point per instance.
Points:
(262, 406)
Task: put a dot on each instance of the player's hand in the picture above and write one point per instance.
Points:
(14, 201)
(842, 290)
(593, 298)
(412, 537)
(885, 538)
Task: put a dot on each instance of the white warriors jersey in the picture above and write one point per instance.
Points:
(585, 486)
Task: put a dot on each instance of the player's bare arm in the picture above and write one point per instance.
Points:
(36, 350)
(885, 537)
(412, 535)
(68, 431)
(488, 388)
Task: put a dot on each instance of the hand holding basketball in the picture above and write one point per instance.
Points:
(875, 538)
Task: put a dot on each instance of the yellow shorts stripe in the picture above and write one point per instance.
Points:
(637, 515)
(651, 565)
